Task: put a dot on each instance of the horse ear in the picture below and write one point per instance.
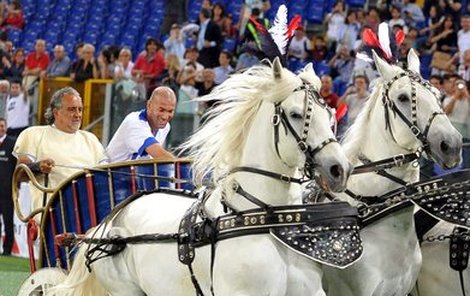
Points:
(309, 69)
(413, 61)
(277, 68)
(385, 69)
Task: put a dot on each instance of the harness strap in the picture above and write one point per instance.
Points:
(387, 163)
(423, 223)
(196, 285)
(281, 177)
(238, 189)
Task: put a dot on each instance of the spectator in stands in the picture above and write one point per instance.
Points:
(463, 36)
(219, 18)
(350, 30)
(149, 65)
(230, 30)
(14, 16)
(17, 110)
(448, 85)
(143, 133)
(208, 84)
(209, 40)
(326, 91)
(14, 70)
(60, 65)
(247, 57)
(342, 65)
(397, 19)
(437, 82)
(124, 65)
(205, 88)
(319, 50)
(191, 56)
(335, 21)
(106, 63)
(78, 55)
(7, 167)
(87, 67)
(433, 21)
(299, 46)
(446, 36)
(411, 12)
(4, 94)
(372, 19)
(187, 80)
(355, 97)
(457, 108)
(225, 69)
(48, 149)
(464, 68)
(170, 76)
(175, 44)
(36, 61)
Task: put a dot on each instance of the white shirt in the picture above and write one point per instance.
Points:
(75, 150)
(463, 42)
(297, 48)
(133, 136)
(17, 112)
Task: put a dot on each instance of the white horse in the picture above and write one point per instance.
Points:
(269, 120)
(402, 115)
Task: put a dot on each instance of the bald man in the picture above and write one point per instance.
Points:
(141, 134)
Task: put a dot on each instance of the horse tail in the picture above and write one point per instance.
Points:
(80, 281)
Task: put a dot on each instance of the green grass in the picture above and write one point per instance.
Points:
(13, 271)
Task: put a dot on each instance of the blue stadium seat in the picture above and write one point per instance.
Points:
(230, 44)
(322, 68)
(356, 3)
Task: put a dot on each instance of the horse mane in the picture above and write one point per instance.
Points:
(354, 136)
(217, 146)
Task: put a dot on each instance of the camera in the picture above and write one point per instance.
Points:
(460, 85)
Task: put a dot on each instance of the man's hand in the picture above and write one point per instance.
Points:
(46, 165)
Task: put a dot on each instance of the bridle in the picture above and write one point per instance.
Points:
(279, 117)
(311, 97)
(412, 123)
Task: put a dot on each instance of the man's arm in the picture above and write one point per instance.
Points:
(43, 166)
(158, 152)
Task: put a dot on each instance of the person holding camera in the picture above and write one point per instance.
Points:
(457, 108)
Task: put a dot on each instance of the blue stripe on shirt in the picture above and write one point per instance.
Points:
(149, 141)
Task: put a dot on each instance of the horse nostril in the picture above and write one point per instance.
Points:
(444, 146)
(336, 171)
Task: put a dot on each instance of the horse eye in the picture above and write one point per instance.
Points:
(403, 98)
(295, 115)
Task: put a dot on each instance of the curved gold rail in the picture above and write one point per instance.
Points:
(20, 169)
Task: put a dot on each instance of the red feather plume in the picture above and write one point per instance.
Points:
(370, 39)
(294, 23)
(399, 37)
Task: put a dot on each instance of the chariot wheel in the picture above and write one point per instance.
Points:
(40, 280)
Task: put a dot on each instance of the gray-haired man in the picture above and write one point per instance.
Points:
(48, 149)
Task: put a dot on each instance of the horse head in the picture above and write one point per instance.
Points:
(303, 130)
(413, 111)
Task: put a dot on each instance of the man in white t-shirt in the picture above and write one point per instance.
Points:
(142, 133)
(61, 148)
(17, 110)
